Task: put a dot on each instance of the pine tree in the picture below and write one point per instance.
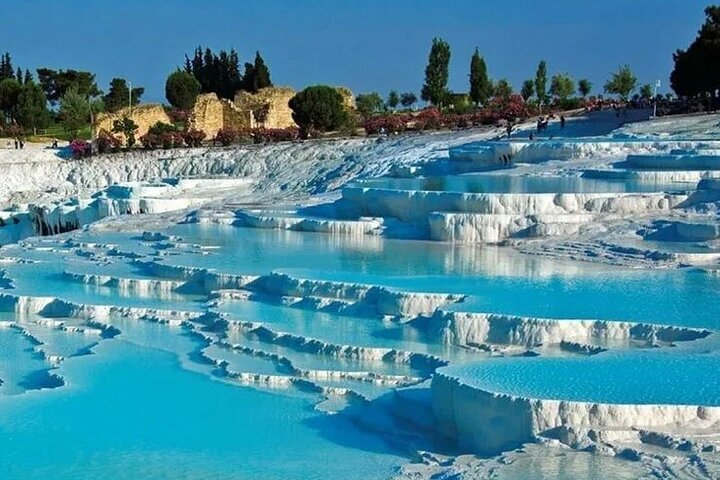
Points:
(480, 84)
(118, 95)
(32, 111)
(19, 75)
(436, 73)
(696, 71)
(28, 77)
(181, 89)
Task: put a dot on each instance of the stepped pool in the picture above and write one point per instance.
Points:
(216, 350)
(170, 379)
(508, 183)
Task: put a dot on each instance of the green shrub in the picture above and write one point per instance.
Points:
(319, 108)
(181, 90)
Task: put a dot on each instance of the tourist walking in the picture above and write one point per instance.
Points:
(562, 121)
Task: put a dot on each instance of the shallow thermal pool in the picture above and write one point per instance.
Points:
(508, 183)
(150, 399)
(631, 378)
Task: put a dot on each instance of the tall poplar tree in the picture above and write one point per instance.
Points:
(436, 73)
(541, 83)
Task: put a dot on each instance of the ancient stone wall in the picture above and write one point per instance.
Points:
(211, 114)
(269, 106)
(145, 116)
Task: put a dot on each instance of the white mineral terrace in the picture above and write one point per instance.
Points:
(448, 292)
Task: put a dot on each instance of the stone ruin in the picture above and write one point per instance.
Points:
(145, 116)
(211, 114)
(267, 108)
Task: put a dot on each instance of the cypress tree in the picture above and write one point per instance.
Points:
(234, 78)
(261, 77)
(6, 68)
(248, 78)
(480, 84)
(436, 73)
(541, 83)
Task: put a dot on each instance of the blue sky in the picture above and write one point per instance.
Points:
(366, 45)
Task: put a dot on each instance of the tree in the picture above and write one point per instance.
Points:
(261, 74)
(408, 99)
(32, 111)
(527, 90)
(436, 73)
(74, 111)
(119, 95)
(10, 90)
(181, 90)
(318, 108)
(217, 73)
(646, 92)
(697, 69)
(562, 86)
(481, 87)
(541, 83)
(56, 84)
(6, 67)
(621, 83)
(584, 87)
(503, 89)
(368, 104)
(393, 99)
(127, 127)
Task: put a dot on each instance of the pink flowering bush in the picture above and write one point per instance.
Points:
(194, 138)
(80, 149)
(151, 141)
(387, 123)
(429, 119)
(269, 135)
(511, 108)
(172, 140)
(108, 143)
(226, 136)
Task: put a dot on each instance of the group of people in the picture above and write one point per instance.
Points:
(19, 144)
(543, 122)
